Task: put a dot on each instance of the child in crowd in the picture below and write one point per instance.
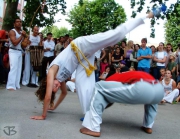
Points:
(162, 72)
(103, 65)
(105, 73)
(172, 65)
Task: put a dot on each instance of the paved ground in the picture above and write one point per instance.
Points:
(119, 122)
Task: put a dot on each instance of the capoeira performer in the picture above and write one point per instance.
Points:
(79, 56)
(34, 41)
(132, 87)
(16, 36)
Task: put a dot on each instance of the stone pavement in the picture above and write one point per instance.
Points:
(121, 121)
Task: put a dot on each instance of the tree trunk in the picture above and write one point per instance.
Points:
(10, 15)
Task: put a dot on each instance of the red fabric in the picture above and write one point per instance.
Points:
(6, 61)
(2, 34)
(103, 66)
(130, 77)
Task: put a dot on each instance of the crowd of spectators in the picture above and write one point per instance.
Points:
(122, 57)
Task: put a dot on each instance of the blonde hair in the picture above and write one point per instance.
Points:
(130, 44)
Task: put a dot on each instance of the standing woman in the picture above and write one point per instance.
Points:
(127, 52)
(153, 63)
(59, 45)
(160, 58)
(133, 56)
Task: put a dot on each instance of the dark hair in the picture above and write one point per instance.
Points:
(17, 18)
(161, 43)
(152, 46)
(123, 42)
(107, 67)
(41, 92)
(144, 39)
(179, 45)
(49, 33)
(137, 45)
(67, 35)
(168, 44)
(117, 47)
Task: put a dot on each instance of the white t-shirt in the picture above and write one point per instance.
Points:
(35, 40)
(49, 44)
(160, 55)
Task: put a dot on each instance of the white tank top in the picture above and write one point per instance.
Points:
(167, 87)
(17, 36)
(34, 40)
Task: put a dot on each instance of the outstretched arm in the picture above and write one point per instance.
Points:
(50, 79)
(61, 97)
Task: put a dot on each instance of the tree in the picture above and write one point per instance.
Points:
(90, 17)
(57, 32)
(141, 4)
(37, 12)
(10, 14)
(172, 28)
(42, 12)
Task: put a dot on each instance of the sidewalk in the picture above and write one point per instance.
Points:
(120, 121)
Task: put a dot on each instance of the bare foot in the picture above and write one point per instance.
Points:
(89, 132)
(163, 101)
(11, 89)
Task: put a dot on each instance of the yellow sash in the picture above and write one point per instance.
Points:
(89, 69)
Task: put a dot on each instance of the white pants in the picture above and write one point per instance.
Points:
(70, 85)
(68, 62)
(111, 92)
(171, 96)
(34, 76)
(15, 59)
(84, 85)
(27, 68)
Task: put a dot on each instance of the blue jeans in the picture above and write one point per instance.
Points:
(178, 78)
(143, 69)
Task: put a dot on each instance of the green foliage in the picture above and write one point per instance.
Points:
(55, 31)
(172, 28)
(37, 14)
(141, 4)
(10, 14)
(90, 17)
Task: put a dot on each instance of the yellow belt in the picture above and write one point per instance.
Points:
(89, 69)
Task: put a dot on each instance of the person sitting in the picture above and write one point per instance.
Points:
(123, 66)
(105, 73)
(171, 91)
(71, 84)
(162, 72)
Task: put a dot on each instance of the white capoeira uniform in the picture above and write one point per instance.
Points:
(71, 85)
(68, 62)
(15, 60)
(35, 40)
(140, 92)
(173, 93)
